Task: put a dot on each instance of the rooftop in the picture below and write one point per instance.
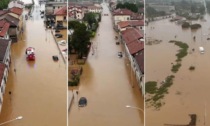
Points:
(62, 11)
(16, 10)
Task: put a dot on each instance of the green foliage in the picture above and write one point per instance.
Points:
(90, 18)
(157, 93)
(151, 87)
(176, 67)
(80, 40)
(4, 4)
(151, 12)
(195, 26)
(130, 6)
(185, 25)
(75, 81)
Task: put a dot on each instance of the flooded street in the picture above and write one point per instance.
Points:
(190, 90)
(106, 83)
(38, 87)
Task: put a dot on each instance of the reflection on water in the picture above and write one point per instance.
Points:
(189, 93)
(38, 88)
(106, 84)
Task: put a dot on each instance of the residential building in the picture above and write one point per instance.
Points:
(51, 8)
(5, 59)
(61, 15)
(121, 15)
(16, 3)
(3, 79)
(76, 12)
(133, 42)
(138, 24)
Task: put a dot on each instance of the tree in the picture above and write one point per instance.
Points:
(80, 40)
(4, 4)
(90, 18)
(129, 6)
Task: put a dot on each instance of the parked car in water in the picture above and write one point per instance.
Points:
(62, 42)
(58, 35)
(82, 102)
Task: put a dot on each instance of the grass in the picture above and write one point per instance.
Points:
(181, 54)
(151, 87)
(158, 93)
(176, 67)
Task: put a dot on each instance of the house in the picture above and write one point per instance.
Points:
(76, 12)
(2, 83)
(16, 12)
(51, 8)
(121, 15)
(4, 28)
(14, 27)
(5, 55)
(16, 3)
(123, 25)
(133, 42)
(61, 15)
(95, 9)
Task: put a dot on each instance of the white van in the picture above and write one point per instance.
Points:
(201, 49)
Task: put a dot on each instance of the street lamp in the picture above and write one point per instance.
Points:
(18, 118)
(128, 106)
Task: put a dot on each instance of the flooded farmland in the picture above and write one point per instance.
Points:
(190, 90)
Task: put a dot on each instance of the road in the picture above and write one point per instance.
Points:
(38, 88)
(106, 84)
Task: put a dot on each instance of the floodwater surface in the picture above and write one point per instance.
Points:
(106, 84)
(189, 93)
(39, 88)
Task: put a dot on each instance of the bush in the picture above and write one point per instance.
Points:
(185, 25)
(195, 26)
(151, 87)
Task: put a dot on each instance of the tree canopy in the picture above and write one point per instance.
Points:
(4, 4)
(80, 38)
(130, 6)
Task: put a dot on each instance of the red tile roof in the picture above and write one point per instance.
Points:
(4, 29)
(131, 23)
(2, 69)
(2, 22)
(61, 12)
(122, 12)
(16, 10)
(135, 47)
(131, 34)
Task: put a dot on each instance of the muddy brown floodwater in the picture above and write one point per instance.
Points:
(106, 84)
(190, 92)
(39, 89)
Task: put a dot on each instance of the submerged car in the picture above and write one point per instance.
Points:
(58, 35)
(82, 102)
(30, 53)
